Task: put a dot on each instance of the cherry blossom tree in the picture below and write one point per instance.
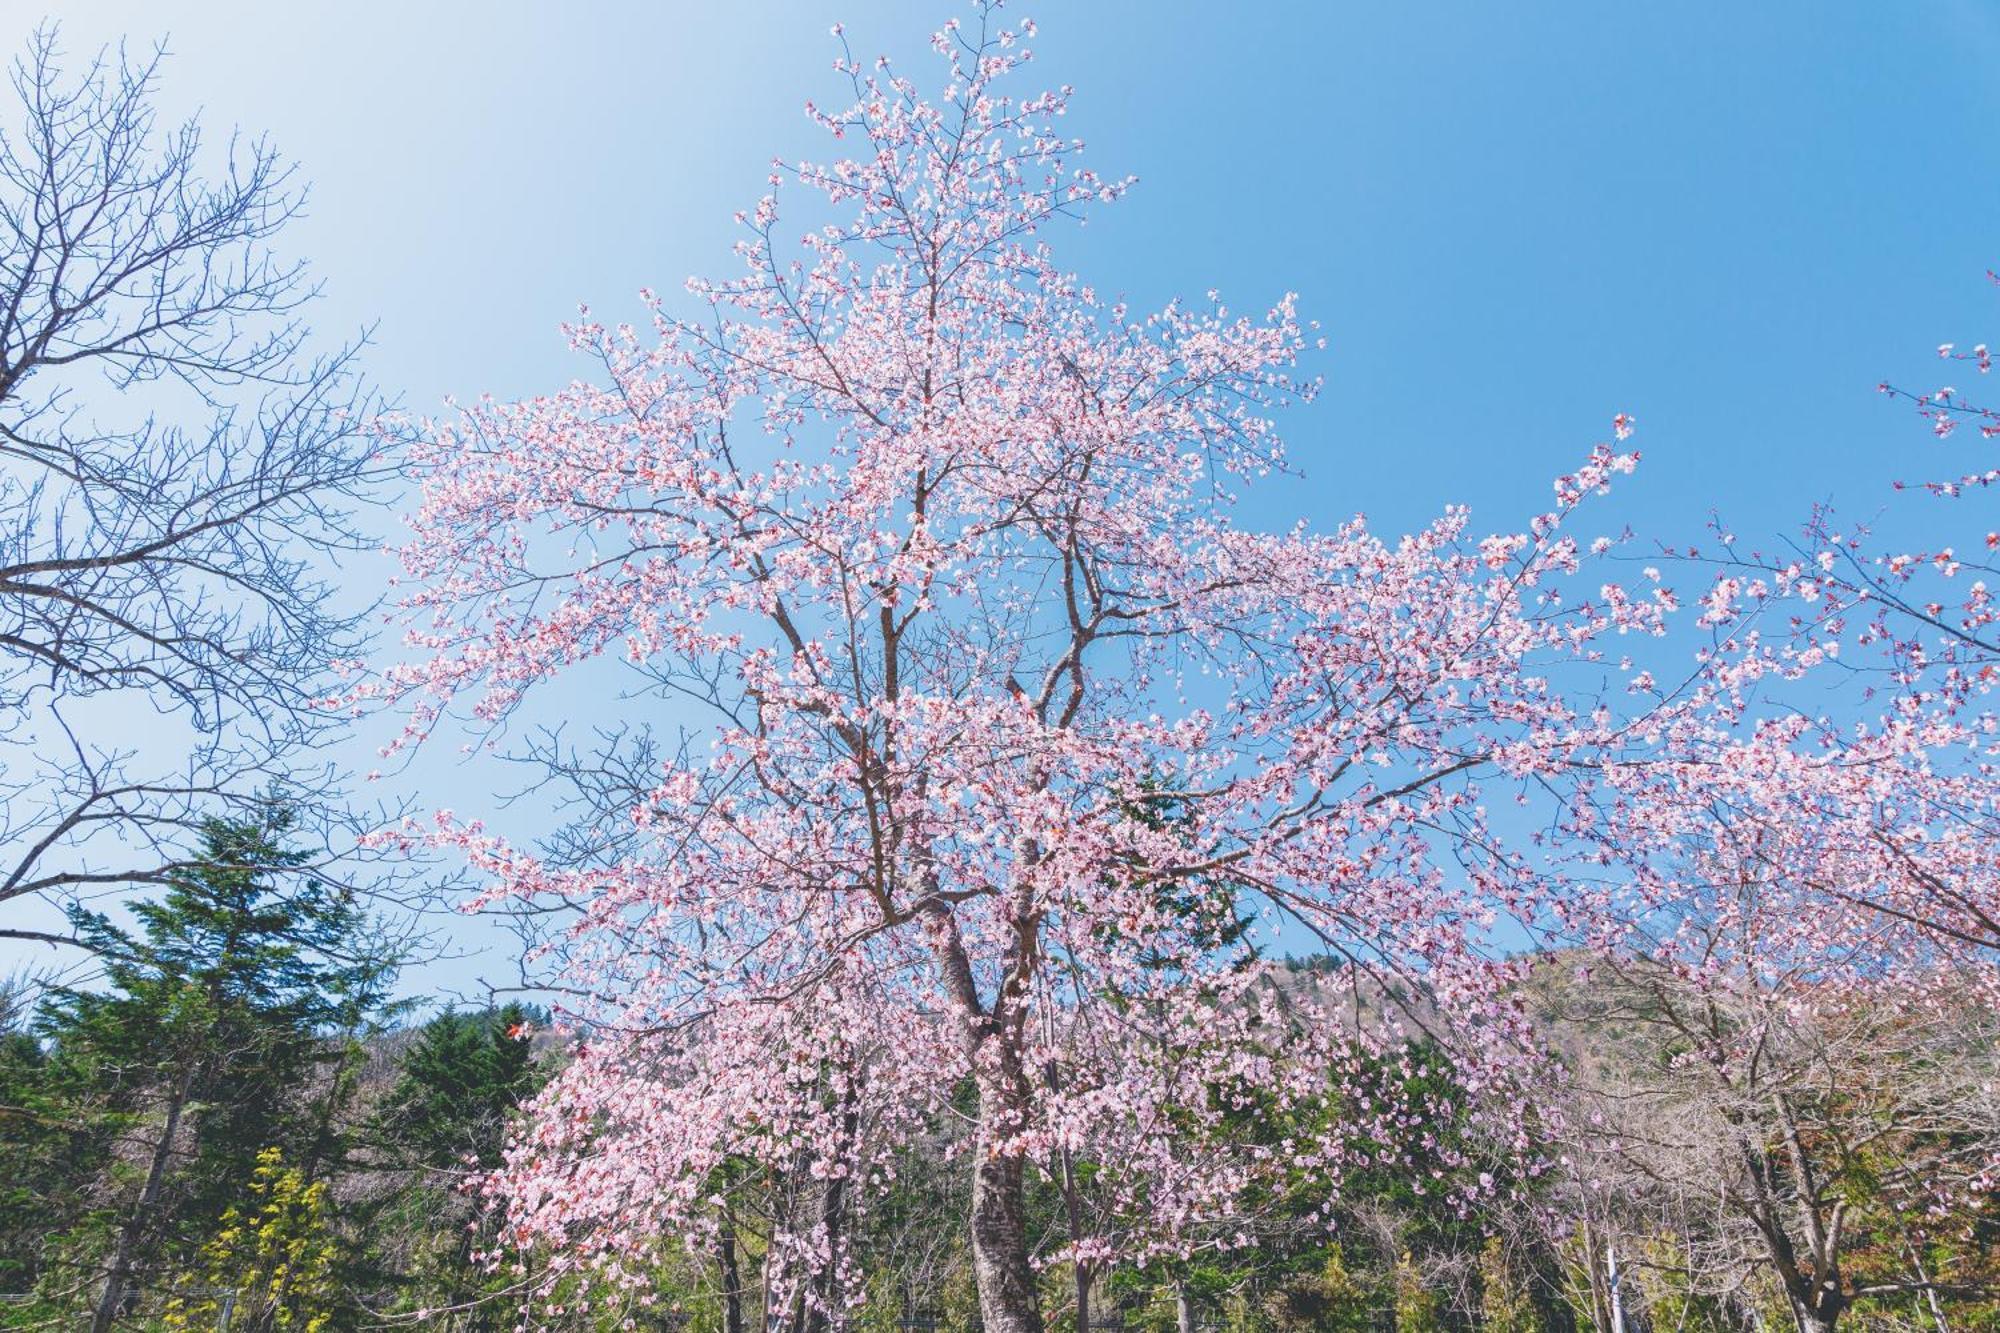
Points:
(1942, 593)
(1014, 750)
(1789, 970)
(1929, 612)
(1883, 782)
(1946, 408)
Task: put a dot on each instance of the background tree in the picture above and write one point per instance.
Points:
(458, 1082)
(461, 1078)
(1750, 1130)
(40, 1150)
(272, 1259)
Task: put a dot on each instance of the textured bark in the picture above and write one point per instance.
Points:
(1084, 1273)
(1817, 1303)
(117, 1281)
(1008, 1301)
(732, 1280)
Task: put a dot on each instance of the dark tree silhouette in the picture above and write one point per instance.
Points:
(179, 468)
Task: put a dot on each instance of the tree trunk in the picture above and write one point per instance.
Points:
(1084, 1272)
(732, 1281)
(1816, 1306)
(117, 1280)
(1614, 1286)
(1593, 1267)
(1008, 1301)
(1183, 1309)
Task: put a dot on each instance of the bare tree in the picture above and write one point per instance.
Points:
(1766, 1136)
(179, 471)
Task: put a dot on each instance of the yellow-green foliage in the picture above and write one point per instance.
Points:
(274, 1251)
(1673, 1301)
(1329, 1301)
(1417, 1306)
(1504, 1306)
(1577, 1290)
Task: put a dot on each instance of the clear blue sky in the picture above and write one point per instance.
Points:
(1513, 220)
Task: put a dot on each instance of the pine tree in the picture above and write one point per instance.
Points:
(458, 1085)
(39, 1149)
(222, 1029)
(463, 1076)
